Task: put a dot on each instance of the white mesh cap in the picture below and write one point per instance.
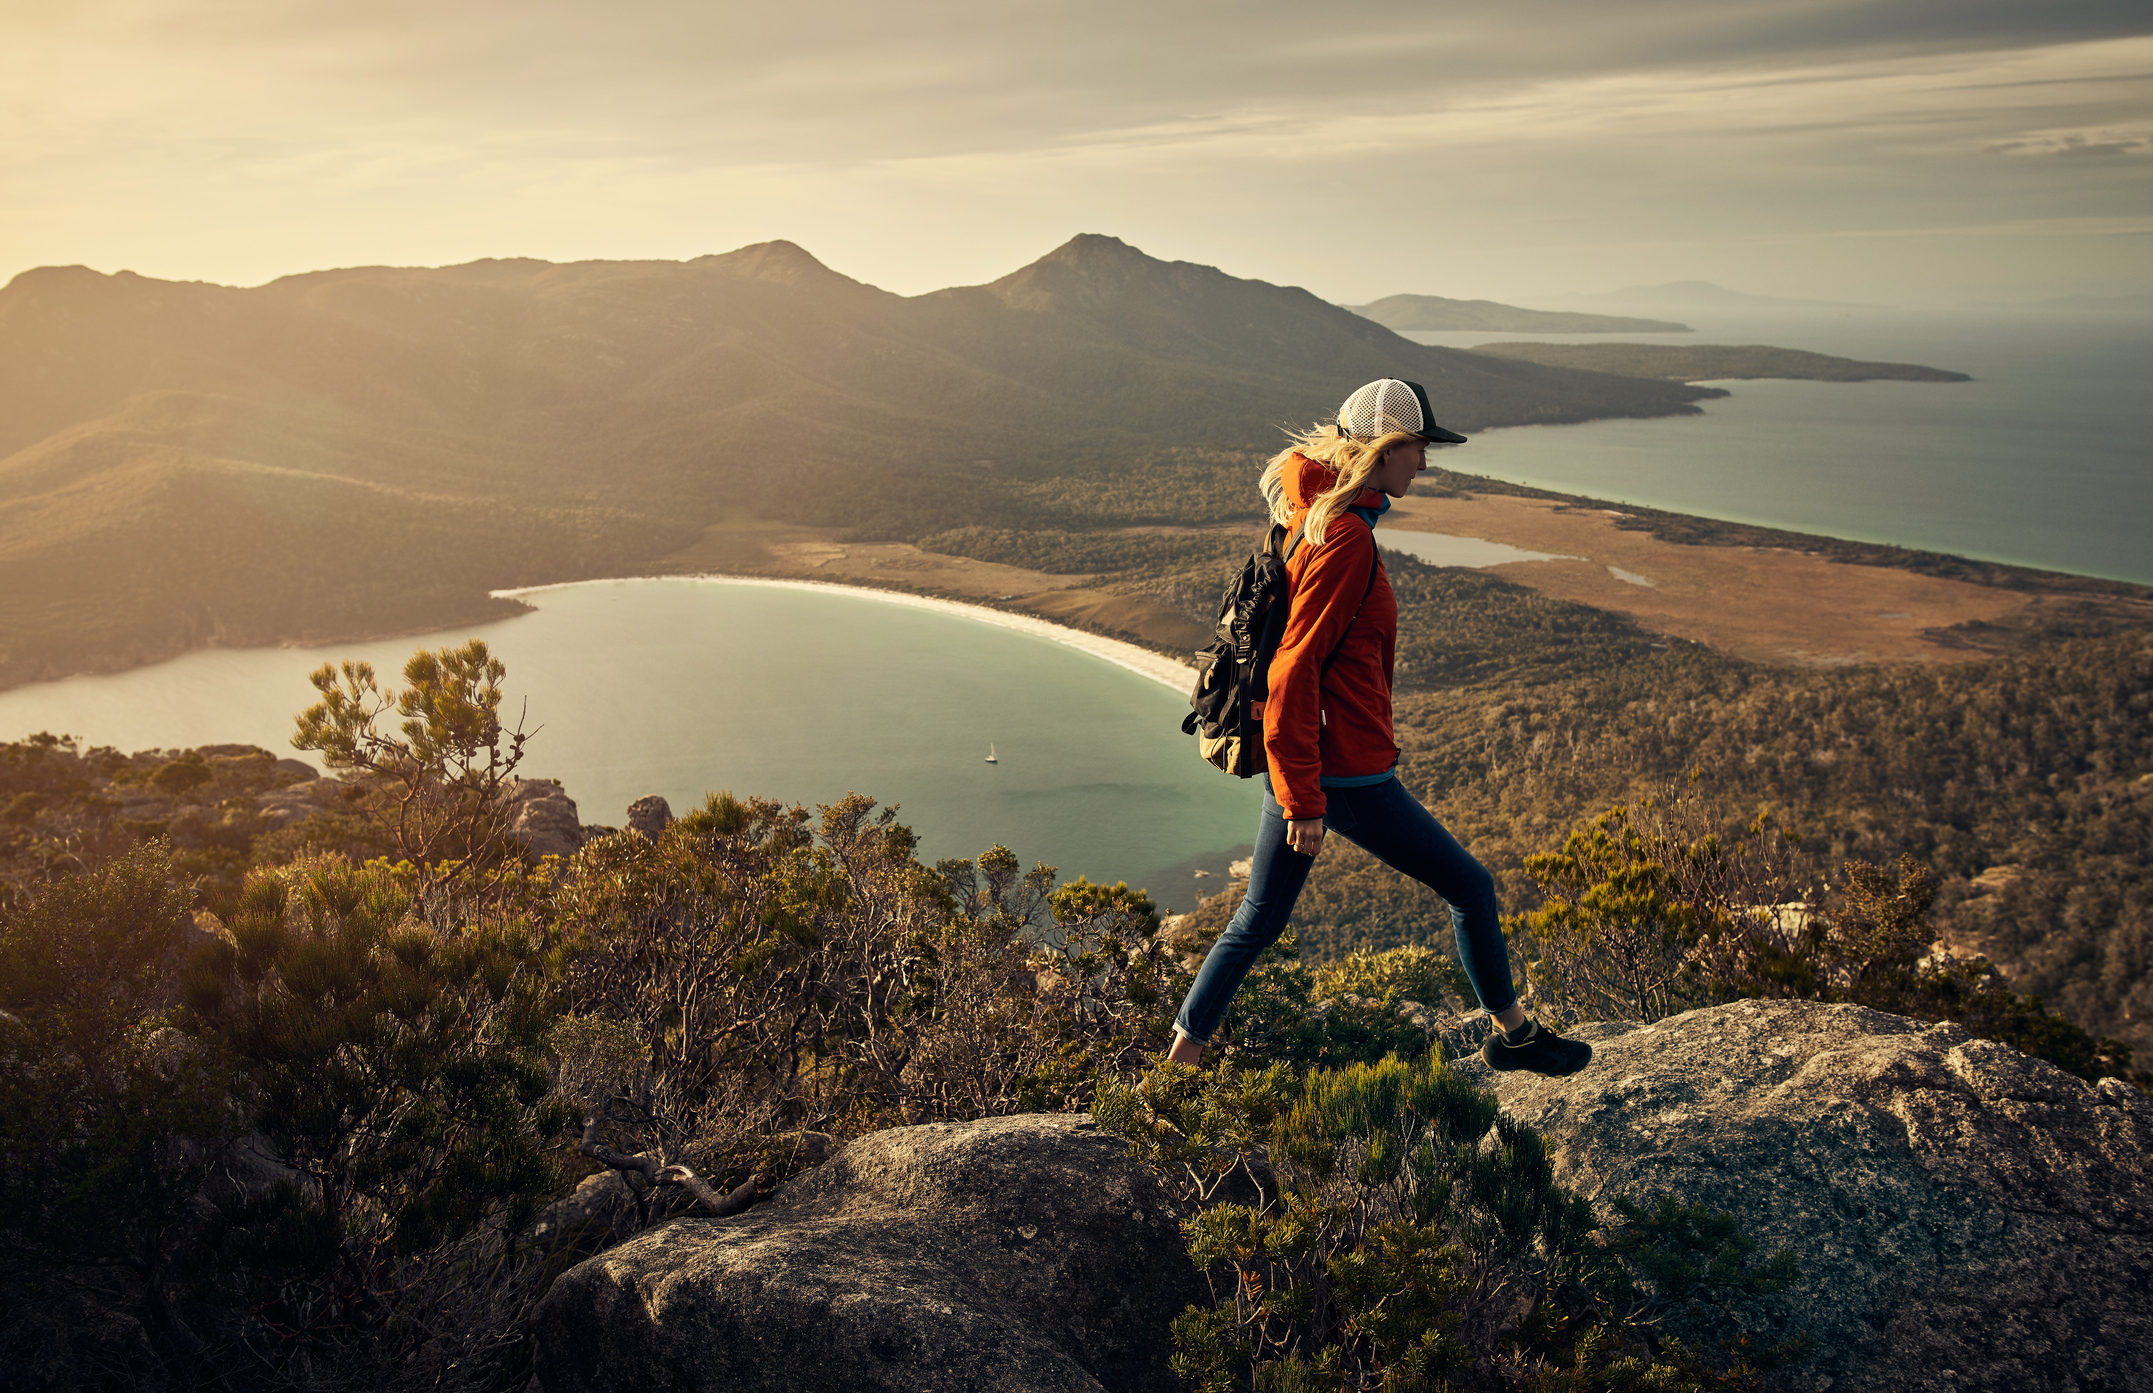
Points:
(1389, 404)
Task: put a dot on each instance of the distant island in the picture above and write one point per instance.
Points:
(1710, 362)
(1705, 295)
(1435, 312)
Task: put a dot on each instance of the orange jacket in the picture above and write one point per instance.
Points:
(1328, 712)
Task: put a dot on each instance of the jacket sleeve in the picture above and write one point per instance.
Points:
(1326, 593)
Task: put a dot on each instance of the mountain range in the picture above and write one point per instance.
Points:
(370, 451)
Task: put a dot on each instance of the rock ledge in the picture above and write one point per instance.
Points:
(1016, 1253)
(1967, 1217)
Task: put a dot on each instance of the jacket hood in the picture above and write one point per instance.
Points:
(1307, 478)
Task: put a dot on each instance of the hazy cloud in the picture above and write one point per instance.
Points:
(2106, 141)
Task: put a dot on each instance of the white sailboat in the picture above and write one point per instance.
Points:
(990, 753)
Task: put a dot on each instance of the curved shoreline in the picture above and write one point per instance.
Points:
(1142, 661)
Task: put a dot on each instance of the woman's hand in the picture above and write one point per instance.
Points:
(1305, 835)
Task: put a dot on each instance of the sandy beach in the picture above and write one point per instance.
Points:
(1142, 661)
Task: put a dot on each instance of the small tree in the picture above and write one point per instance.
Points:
(439, 780)
(1615, 934)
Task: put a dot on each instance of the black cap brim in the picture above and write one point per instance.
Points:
(1429, 430)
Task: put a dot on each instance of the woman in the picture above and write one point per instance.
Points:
(1327, 726)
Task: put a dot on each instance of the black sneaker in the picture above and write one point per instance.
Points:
(1540, 1052)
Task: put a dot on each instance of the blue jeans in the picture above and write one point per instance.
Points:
(1390, 825)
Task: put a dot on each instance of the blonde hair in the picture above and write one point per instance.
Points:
(1354, 460)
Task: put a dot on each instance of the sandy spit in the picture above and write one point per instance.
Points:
(1142, 661)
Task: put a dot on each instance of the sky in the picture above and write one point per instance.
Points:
(1912, 152)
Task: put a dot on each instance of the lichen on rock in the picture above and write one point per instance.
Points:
(1965, 1216)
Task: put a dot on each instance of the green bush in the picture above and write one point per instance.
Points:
(780, 973)
(399, 1071)
(1286, 1012)
(1654, 910)
(1383, 1226)
(106, 1109)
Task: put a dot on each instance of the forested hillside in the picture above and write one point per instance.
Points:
(369, 451)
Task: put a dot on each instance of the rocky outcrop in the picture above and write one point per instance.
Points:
(295, 802)
(1016, 1253)
(649, 815)
(1966, 1217)
(598, 1213)
(543, 817)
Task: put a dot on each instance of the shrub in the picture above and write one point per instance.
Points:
(1655, 910)
(106, 1110)
(1380, 1226)
(782, 974)
(398, 1071)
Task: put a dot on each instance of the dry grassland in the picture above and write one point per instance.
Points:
(1762, 604)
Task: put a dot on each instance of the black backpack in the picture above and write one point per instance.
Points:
(1233, 675)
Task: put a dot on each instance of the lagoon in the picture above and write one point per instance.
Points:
(685, 687)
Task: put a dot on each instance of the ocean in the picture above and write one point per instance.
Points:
(2045, 459)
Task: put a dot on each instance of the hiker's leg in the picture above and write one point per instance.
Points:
(1391, 825)
(1276, 874)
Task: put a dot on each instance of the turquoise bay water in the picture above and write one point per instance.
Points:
(683, 687)
(2045, 459)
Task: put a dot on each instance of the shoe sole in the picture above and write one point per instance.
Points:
(1522, 1067)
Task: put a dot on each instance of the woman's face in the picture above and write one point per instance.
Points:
(1394, 471)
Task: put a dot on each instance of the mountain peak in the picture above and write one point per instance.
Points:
(56, 275)
(1094, 249)
(786, 263)
(40, 282)
(1088, 269)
